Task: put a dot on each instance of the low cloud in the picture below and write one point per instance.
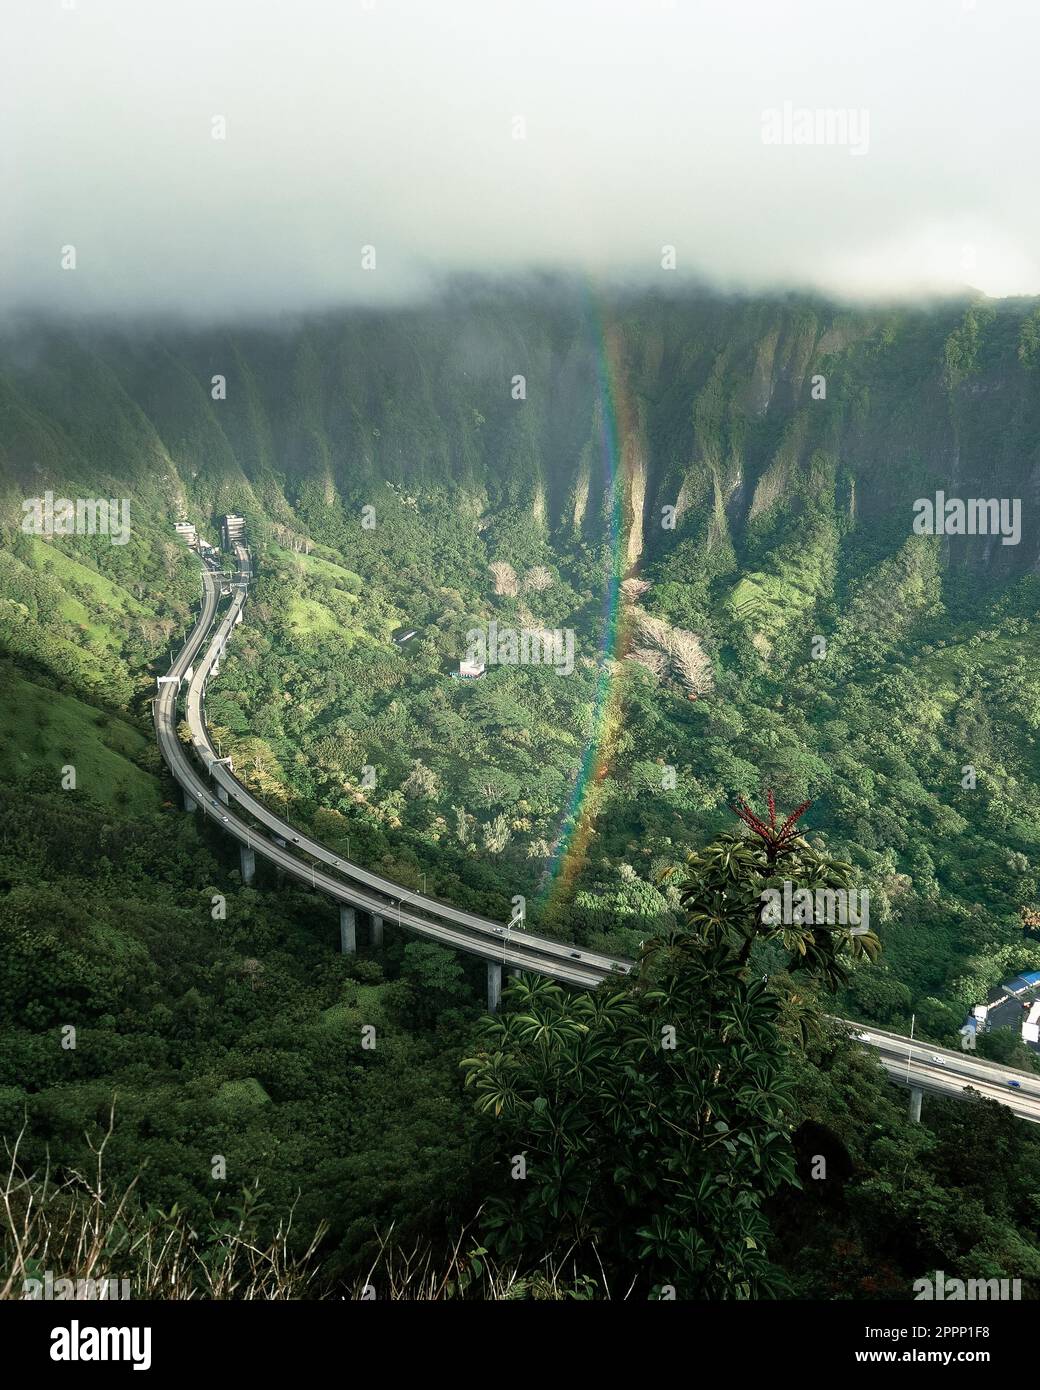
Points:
(237, 156)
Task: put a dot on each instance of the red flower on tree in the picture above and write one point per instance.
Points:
(775, 837)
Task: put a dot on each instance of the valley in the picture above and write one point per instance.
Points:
(724, 570)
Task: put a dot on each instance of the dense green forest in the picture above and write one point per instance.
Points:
(394, 477)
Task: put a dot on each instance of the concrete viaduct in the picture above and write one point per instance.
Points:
(210, 786)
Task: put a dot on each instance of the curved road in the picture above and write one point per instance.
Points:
(302, 843)
(562, 951)
(943, 1072)
(918, 1065)
(517, 950)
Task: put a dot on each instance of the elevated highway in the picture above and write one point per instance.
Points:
(919, 1067)
(233, 790)
(939, 1071)
(498, 945)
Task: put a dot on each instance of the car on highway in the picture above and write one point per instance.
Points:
(225, 819)
(575, 955)
(939, 1061)
(1015, 1085)
(296, 839)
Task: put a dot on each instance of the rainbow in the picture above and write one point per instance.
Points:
(576, 827)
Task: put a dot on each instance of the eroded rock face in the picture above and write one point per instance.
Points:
(712, 421)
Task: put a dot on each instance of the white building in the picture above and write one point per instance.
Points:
(1031, 1024)
(470, 670)
(231, 529)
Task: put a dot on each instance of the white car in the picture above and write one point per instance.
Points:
(939, 1061)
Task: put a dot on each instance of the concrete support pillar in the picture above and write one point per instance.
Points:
(494, 977)
(248, 859)
(377, 931)
(190, 804)
(916, 1096)
(347, 930)
(222, 794)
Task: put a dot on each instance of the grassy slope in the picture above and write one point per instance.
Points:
(42, 729)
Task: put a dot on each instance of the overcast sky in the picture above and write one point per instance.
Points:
(393, 124)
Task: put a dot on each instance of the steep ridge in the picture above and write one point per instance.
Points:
(715, 407)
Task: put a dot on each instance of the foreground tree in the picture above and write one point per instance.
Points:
(639, 1128)
(642, 1127)
(732, 886)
